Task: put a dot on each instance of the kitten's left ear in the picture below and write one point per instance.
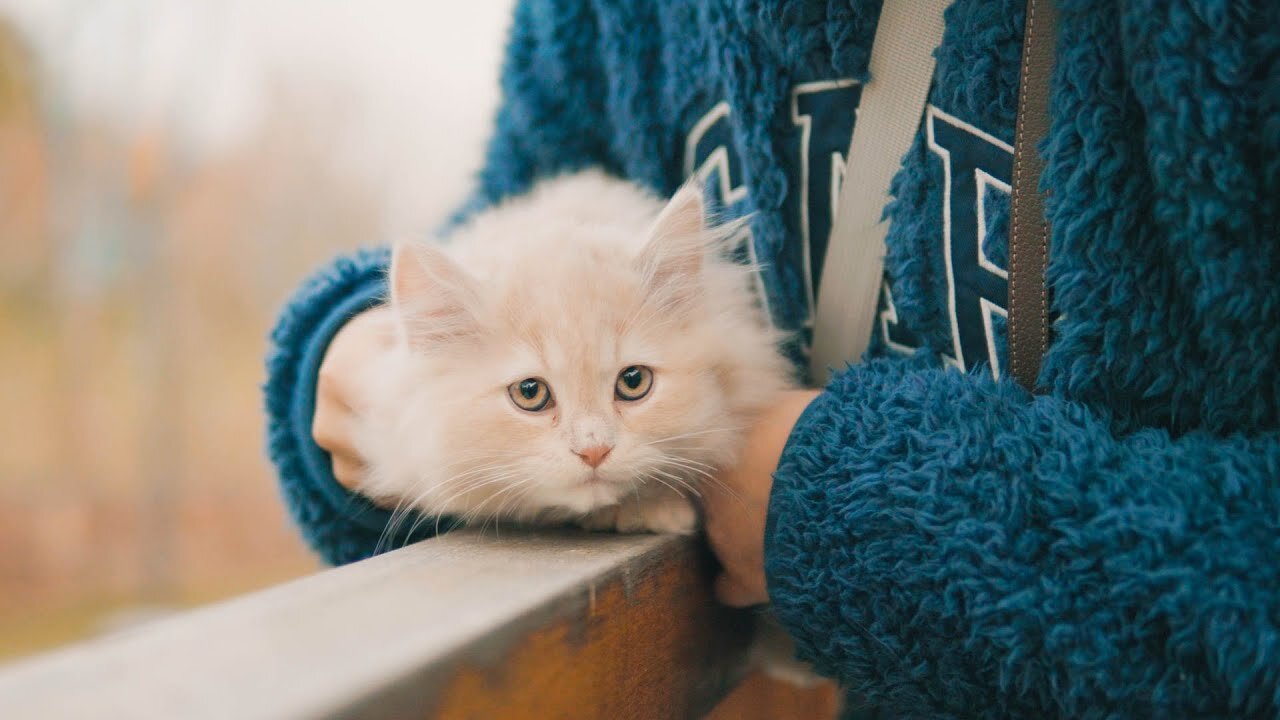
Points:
(435, 301)
(672, 258)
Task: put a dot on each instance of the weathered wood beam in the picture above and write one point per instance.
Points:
(526, 625)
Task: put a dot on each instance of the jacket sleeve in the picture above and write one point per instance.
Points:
(548, 121)
(946, 545)
(339, 525)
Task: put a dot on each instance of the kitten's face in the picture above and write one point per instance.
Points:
(566, 380)
(578, 411)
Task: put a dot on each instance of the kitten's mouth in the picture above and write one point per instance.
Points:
(596, 479)
(597, 490)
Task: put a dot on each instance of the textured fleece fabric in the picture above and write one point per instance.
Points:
(941, 541)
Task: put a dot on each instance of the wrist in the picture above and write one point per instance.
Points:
(768, 439)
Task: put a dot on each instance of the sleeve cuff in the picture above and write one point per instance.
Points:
(342, 526)
(799, 463)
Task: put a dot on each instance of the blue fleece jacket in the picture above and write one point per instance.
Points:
(943, 542)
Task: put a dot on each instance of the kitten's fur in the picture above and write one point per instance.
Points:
(571, 283)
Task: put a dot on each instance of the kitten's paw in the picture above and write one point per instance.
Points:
(668, 514)
(603, 519)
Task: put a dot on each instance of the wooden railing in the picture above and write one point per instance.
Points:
(522, 625)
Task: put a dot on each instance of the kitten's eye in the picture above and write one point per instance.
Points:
(530, 394)
(633, 382)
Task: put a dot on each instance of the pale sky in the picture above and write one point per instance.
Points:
(404, 89)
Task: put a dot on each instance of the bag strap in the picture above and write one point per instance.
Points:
(893, 100)
(901, 68)
(1028, 226)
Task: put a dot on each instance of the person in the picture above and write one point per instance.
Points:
(938, 539)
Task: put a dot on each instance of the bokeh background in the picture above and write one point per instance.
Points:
(170, 170)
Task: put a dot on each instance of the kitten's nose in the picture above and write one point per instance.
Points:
(593, 456)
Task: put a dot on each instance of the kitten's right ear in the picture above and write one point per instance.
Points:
(435, 300)
(672, 258)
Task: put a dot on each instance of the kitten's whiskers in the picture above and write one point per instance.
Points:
(695, 433)
(678, 480)
(707, 476)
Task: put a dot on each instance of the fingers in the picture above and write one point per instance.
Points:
(339, 393)
(331, 432)
(329, 426)
(735, 531)
(348, 470)
(734, 593)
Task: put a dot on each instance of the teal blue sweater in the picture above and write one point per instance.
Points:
(944, 543)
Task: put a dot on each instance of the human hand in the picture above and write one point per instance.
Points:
(338, 393)
(736, 506)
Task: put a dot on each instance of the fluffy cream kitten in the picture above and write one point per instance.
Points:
(585, 352)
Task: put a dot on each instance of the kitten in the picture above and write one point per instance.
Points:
(581, 353)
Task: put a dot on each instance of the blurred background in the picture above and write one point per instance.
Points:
(170, 170)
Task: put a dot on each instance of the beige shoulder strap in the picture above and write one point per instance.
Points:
(889, 113)
(892, 105)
